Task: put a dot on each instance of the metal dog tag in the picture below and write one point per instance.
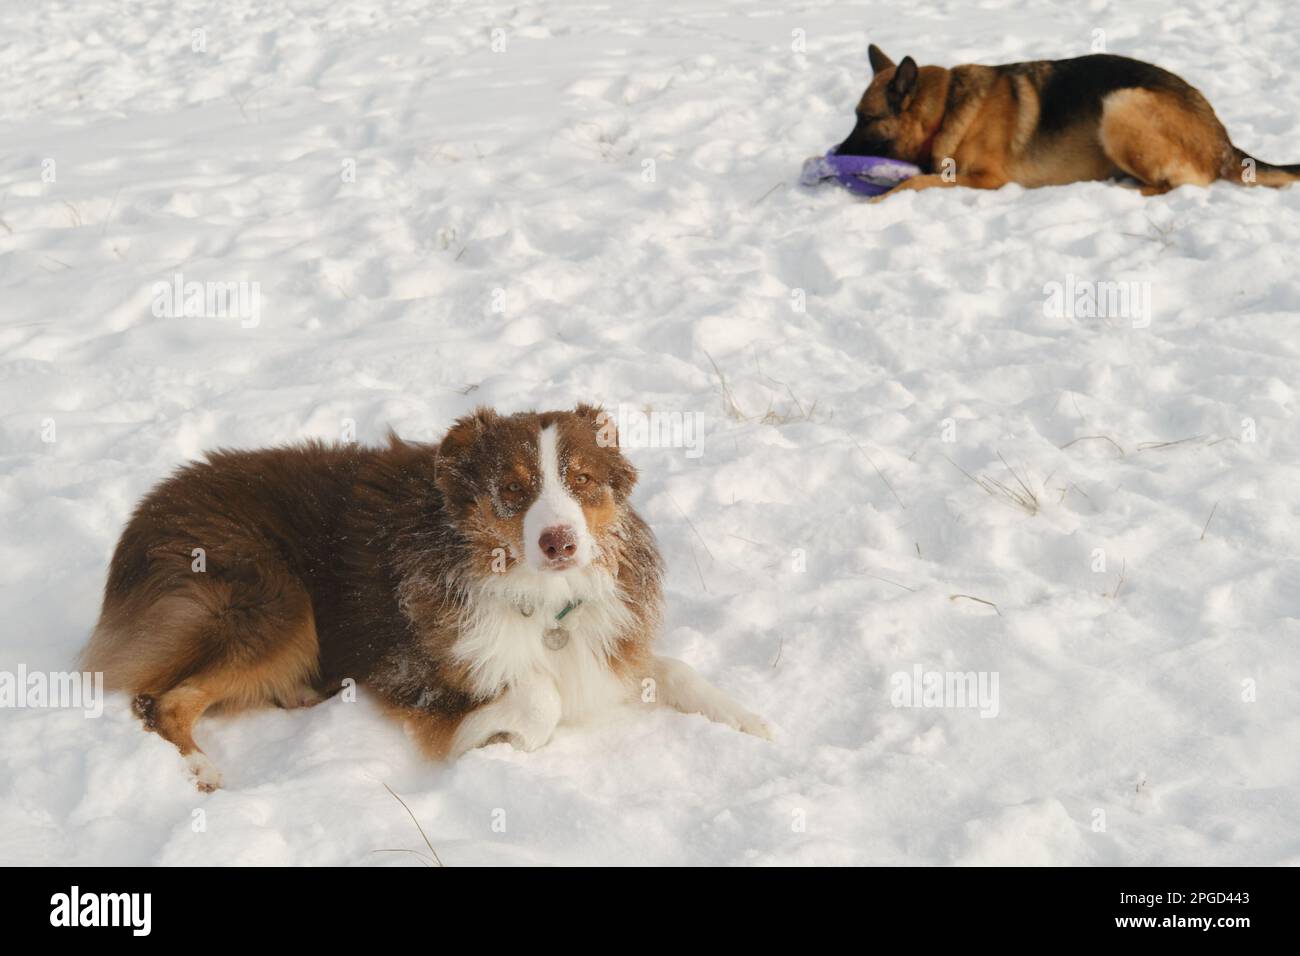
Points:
(555, 637)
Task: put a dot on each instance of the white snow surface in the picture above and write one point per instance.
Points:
(504, 243)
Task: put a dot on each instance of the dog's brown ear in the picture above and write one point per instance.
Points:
(601, 421)
(902, 85)
(622, 474)
(879, 61)
(468, 428)
(455, 445)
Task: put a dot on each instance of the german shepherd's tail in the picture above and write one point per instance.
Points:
(1249, 171)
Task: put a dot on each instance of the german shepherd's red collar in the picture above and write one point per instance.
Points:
(488, 587)
(1047, 123)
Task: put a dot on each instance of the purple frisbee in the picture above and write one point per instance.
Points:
(864, 175)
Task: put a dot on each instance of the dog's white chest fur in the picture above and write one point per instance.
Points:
(506, 646)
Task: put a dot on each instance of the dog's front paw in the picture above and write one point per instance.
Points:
(727, 711)
(525, 717)
(751, 723)
(688, 692)
(722, 709)
(520, 740)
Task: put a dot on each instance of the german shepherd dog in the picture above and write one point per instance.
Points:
(488, 587)
(1048, 123)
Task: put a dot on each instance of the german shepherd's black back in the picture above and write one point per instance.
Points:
(1073, 89)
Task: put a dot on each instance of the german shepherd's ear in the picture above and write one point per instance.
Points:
(902, 85)
(879, 62)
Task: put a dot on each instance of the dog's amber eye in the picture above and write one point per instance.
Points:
(514, 487)
(582, 479)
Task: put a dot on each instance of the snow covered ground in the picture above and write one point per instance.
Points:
(529, 204)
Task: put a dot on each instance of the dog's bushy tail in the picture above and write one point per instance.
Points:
(1246, 170)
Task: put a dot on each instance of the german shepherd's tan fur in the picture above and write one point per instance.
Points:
(1047, 123)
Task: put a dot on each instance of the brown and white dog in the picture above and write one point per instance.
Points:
(489, 587)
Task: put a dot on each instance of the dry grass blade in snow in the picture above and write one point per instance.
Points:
(1018, 493)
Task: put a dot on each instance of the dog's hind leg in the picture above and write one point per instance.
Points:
(246, 637)
(1164, 140)
(304, 696)
(172, 716)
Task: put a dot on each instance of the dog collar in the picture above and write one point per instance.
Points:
(571, 606)
(527, 610)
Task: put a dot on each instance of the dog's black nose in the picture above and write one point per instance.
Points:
(861, 142)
